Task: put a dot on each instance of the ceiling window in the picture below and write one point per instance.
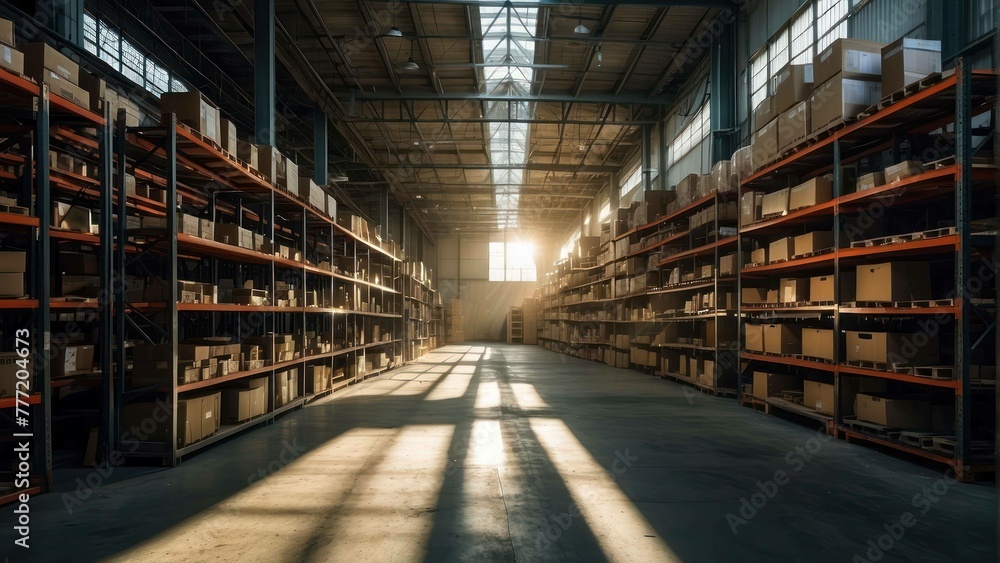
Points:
(605, 212)
(632, 181)
(104, 41)
(508, 53)
(691, 135)
(512, 261)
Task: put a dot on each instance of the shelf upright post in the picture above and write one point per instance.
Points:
(838, 190)
(119, 288)
(42, 273)
(963, 262)
(738, 359)
(170, 152)
(108, 282)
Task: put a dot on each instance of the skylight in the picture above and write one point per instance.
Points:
(508, 52)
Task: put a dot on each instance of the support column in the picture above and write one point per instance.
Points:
(67, 20)
(383, 212)
(321, 157)
(661, 154)
(647, 132)
(614, 194)
(722, 85)
(263, 42)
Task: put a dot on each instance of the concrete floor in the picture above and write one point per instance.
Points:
(501, 453)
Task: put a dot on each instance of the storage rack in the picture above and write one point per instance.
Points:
(620, 307)
(951, 188)
(40, 120)
(420, 335)
(361, 290)
(515, 325)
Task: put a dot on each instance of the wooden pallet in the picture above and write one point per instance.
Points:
(824, 131)
(944, 373)
(817, 360)
(918, 304)
(977, 162)
(813, 253)
(884, 432)
(876, 366)
(923, 440)
(906, 237)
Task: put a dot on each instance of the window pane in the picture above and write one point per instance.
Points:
(693, 133)
(110, 46)
(133, 64)
(90, 33)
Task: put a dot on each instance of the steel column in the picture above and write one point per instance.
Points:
(963, 262)
(108, 281)
(119, 289)
(263, 22)
(321, 154)
(646, 132)
(722, 84)
(170, 174)
(42, 273)
(614, 195)
(838, 190)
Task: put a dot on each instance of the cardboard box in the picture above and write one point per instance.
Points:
(818, 396)
(71, 217)
(64, 88)
(194, 110)
(6, 32)
(227, 136)
(11, 285)
(240, 405)
(780, 250)
(841, 99)
(722, 178)
(14, 262)
(892, 348)
(8, 374)
(775, 203)
(758, 256)
(753, 340)
(11, 59)
(904, 169)
(809, 193)
(870, 180)
(894, 412)
(772, 384)
(728, 265)
(791, 85)
(72, 359)
(764, 147)
(893, 281)
(853, 58)
(270, 163)
(812, 242)
(794, 125)
(784, 339)
(763, 113)
(793, 290)
(907, 60)
(817, 343)
(821, 289)
(247, 152)
(39, 57)
(97, 88)
(750, 206)
(753, 295)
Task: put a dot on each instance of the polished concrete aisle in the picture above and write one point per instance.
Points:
(512, 453)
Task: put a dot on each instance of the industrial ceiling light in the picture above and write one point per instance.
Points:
(580, 28)
(411, 64)
(340, 178)
(600, 58)
(393, 32)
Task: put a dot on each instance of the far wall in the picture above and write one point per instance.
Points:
(463, 271)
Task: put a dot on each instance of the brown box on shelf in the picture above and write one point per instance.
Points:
(793, 126)
(722, 179)
(65, 88)
(270, 163)
(80, 286)
(206, 229)
(812, 242)
(11, 285)
(893, 281)
(821, 288)
(41, 57)
(891, 348)
(818, 396)
(758, 256)
(907, 60)
(791, 85)
(247, 152)
(753, 338)
(775, 203)
(240, 405)
(750, 206)
(894, 411)
(763, 113)
(14, 262)
(784, 339)
(841, 99)
(902, 170)
(8, 374)
(96, 88)
(764, 147)
(11, 59)
(194, 110)
(772, 296)
(6, 32)
(870, 180)
(728, 265)
(793, 290)
(811, 192)
(754, 295)
(772, 384)
(227, 136)
(817, 343)
(73, 263)
(187, 224)
(780, 250)
(72, 359)
(853, 58)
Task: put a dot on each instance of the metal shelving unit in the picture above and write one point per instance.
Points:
(949, 190)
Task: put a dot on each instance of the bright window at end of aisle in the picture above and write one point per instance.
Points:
(516, 262)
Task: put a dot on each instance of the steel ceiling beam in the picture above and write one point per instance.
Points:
(537, 3)
(582, 98)
(537, 166)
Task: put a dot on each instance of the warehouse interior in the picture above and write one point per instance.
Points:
(647, 280)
